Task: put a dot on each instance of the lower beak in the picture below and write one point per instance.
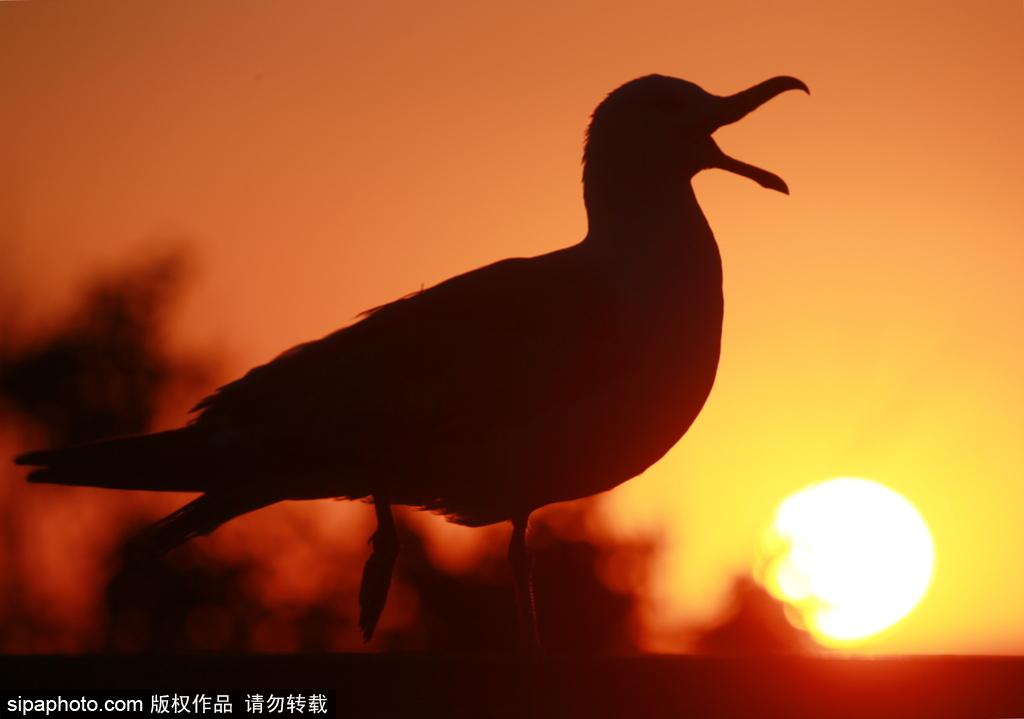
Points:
(761, 177)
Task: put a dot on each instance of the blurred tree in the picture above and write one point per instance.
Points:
(754, 622)
(192, 600)
(105, 369)
(578, 613)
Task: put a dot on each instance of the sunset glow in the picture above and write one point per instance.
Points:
(850, 557)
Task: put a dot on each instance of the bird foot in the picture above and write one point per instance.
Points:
(373, 591)
(529, 641)
(522, 570)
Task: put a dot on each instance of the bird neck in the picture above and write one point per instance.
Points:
(645, 215)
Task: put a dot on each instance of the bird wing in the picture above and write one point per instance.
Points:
(474, 356)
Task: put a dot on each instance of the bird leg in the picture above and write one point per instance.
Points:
(522, 566)
(373, 592)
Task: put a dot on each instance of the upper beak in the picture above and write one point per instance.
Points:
(734, 107)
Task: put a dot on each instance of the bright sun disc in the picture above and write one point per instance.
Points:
(850, 556)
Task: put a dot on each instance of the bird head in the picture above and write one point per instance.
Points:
(656, 125)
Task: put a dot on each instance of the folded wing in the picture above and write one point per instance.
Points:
(456, 365)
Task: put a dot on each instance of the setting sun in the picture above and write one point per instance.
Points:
(850, 557)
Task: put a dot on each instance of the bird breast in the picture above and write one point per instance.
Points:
(671, 314)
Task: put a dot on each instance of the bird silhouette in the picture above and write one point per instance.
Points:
(522, 383)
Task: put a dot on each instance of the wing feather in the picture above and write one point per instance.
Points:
(455, 364)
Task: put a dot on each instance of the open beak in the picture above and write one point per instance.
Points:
(734, 107)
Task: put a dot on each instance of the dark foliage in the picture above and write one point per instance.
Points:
(754, 623)
(191, 601)
(104, 369)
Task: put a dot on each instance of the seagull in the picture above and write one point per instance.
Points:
(525, 382)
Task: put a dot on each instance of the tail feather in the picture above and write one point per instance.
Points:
(175, 461)
(199, 517)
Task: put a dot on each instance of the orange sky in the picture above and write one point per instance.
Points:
(326, 157)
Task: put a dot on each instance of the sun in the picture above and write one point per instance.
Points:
(849, 557)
